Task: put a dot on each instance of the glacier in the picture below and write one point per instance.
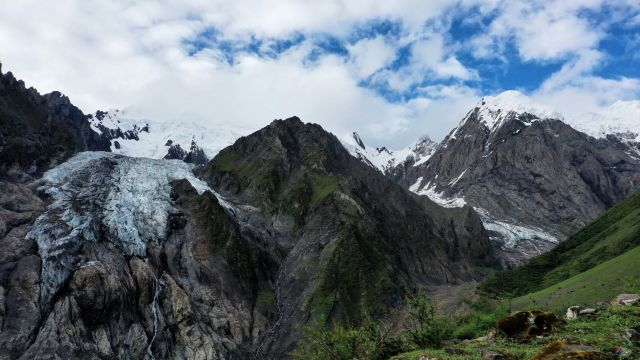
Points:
(101, 196)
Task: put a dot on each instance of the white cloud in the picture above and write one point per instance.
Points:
(132, 54)
(430, 59)
(370, 55)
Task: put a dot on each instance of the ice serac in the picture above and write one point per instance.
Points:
(99, 194)
(533, 178)
(189, 141)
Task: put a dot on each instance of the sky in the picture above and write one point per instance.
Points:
(390, 70)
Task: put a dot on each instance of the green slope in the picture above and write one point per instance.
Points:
(600, 283)
(614, 233)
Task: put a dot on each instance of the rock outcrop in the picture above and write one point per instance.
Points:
(39, 131)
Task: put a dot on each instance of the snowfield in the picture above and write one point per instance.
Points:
(154, 143)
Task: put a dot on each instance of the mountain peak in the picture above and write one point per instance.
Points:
(493, 110)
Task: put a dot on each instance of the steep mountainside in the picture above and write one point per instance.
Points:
(39, 131)
(534, 179)
(345, 239)
(612, 234)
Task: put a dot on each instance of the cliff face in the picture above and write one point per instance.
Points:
(534, 180)
(39, 131)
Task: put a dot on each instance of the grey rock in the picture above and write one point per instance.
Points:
(538, 174)
(626, 299)
(491, 355)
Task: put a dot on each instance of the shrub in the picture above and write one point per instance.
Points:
(426, 328)
(371, 340)
(481, 318)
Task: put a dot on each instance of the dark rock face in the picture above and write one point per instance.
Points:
(343, 239)
(175, 152)
(117, 133)
(540, 174)
(189, 294)
(39, 131)
(195, 155)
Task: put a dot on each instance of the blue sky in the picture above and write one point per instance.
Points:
(389, 70)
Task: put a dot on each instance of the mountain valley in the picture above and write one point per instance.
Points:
(126, 238)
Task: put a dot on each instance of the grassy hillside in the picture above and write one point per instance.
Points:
(600, 283)
(596, 332)
(614, 233)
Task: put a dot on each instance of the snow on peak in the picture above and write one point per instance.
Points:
(622, 119)
(493, 110)
(430, 191)
(139, 137)
(383, 158)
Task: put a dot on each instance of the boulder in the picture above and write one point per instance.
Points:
(491, 355)
(570, 349)
(527, 324)
(632, 336)
(626, 299)
(574, 312)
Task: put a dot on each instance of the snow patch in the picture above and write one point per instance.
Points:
(435, 196)
(383, 158)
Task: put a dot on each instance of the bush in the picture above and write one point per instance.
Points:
(482, 317)
(371, 340)
(426, 328)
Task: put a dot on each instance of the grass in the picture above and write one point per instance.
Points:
(322, 186)
(587, 288)
(602, 332)
(612, 234)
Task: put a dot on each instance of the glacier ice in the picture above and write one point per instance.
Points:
(99, 193)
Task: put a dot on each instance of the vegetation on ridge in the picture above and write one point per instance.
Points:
(612, 234)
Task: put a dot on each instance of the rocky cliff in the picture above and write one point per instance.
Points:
(39, 131)
(533, 178)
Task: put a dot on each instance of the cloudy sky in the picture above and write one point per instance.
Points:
(391, 70)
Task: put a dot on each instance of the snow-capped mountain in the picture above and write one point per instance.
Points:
(534, 175)
(621, 120)
(189, 141)
(494, 111)
(385, 159)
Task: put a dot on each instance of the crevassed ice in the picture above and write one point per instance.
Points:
(510, 233)
(127, 197)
